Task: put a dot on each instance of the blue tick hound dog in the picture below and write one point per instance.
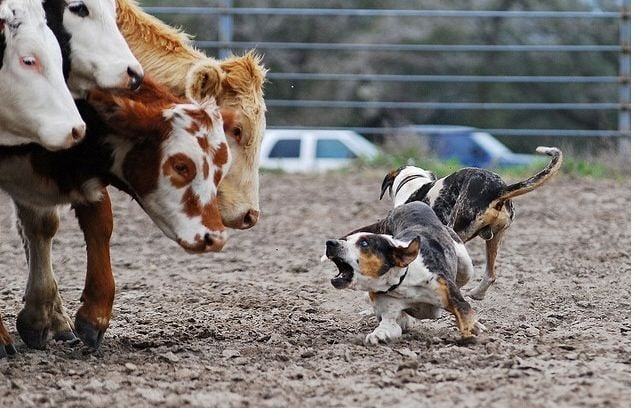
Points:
(471, 201)
(412, 266)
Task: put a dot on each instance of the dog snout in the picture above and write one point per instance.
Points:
(331, 247)
(331, 243)
(135, 80)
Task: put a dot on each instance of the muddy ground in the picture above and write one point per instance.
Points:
(260, 324)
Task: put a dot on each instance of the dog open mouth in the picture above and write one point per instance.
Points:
(345, 275)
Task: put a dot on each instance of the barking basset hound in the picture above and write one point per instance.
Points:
(412, 266)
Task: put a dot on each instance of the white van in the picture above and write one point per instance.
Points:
(308, 150)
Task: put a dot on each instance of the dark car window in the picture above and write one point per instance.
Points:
(333, 149)
(285, 149)
(459, 146)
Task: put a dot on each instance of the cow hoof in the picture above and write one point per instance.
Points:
(34, 338)
(65, 336)
(89, 334)
(7, 350)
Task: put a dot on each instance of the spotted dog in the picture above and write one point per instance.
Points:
(473, 202)
(413, 267)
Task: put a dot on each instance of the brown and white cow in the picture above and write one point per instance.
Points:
(169, 155)
(237, 83)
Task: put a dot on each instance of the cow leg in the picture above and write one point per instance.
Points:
(6, 343)
(488, 278)
(42, 316)
(93, 317)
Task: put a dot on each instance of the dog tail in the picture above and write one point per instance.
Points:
(535, 181)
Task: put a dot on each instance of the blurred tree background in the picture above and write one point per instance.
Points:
(431, 30)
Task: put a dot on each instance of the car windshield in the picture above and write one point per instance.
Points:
(491, 144)
(333, 149)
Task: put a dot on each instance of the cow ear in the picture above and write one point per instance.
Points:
(126, 116)
(403, 256)
(204, 80)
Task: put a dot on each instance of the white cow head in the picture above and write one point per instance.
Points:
(99, 55)
(37, 106)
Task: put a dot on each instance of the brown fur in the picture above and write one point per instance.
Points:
(370, 264)
(182, 178)
(95, 220)
(168, 56)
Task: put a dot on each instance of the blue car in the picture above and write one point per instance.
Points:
(470, 146)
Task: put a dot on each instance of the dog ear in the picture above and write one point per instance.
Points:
(403, 256)
(388, 182)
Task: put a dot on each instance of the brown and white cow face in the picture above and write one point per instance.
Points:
(172, 158)
(194, 160)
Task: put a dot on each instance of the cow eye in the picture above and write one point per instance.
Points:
(78, 8)
(29, 61)
(237, 134)
(181, 168)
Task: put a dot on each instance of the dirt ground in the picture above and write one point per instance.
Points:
(260, 324)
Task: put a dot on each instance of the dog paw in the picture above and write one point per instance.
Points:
(478, 328)
(476, 294)
(378, 336)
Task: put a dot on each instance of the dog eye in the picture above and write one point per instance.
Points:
(363, 243)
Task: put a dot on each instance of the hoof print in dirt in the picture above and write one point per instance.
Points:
(466, 341)
(7, 350)
(88, 334)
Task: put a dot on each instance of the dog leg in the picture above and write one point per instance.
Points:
(42, 316)
(465, 268)
(388, 311)
(489, 277)
(454, 303)
(406, 322)
(93, 317)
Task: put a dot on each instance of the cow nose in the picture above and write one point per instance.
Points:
(250, 219)
(213, 242)
(135, 79)
(78, 132)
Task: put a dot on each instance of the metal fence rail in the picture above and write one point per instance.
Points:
(621, 50)
(253, 11)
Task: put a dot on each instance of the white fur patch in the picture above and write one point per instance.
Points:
(100, 55)
(41, 108)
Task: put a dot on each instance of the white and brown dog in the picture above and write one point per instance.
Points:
(471, 201)
(414, 267)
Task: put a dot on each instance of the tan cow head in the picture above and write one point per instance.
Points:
(171, 156)
(236, 83)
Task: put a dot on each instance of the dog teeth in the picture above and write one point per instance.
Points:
(324, 258)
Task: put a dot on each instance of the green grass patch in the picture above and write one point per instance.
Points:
(599, 168)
